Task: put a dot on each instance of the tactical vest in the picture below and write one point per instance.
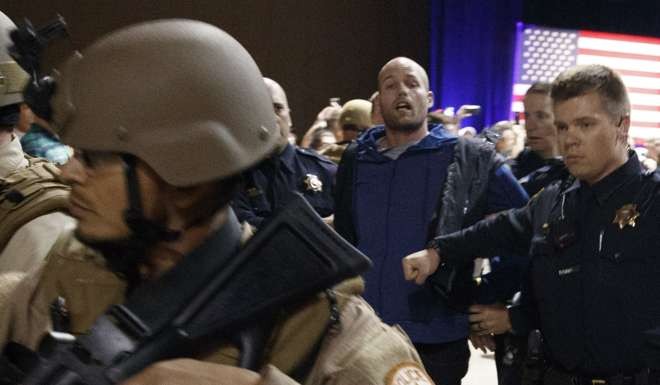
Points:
(28, 193)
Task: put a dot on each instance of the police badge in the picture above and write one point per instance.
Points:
(313, 183)
(626, 216)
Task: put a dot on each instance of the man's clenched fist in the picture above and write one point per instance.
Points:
(418, 266)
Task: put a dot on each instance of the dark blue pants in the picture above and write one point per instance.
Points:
(446, 363)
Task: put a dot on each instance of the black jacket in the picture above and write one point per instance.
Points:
(593, 285)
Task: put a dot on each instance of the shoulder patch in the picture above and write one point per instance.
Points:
(407, 373)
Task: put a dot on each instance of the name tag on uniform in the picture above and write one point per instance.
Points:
(568, 270)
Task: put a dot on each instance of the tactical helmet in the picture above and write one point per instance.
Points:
(182, 95)
(356, 112)
(12, 76)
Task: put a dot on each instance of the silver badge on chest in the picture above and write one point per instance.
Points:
(313, 183)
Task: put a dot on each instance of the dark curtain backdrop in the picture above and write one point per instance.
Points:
(636, 17)
(471, 55)
(316, 49)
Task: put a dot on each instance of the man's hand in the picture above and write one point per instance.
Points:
(489, 319)
(187, 371)
(482, 342)
(418, 266)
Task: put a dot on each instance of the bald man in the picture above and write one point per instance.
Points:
(267, 187)
(389, 186)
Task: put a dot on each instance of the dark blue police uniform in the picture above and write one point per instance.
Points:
(268, 185)
(526, 162)
(593, 286)
(510, 349)
(553, 170)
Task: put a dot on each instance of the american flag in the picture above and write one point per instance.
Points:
(542, 53)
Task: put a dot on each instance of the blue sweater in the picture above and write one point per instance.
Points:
(394, 202)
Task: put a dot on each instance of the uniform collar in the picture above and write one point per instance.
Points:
(286, 158)
(11, 157)
(607, 186)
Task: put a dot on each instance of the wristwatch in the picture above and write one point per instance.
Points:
(433, 244)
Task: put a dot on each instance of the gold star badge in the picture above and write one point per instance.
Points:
(253, 192)
(313, 183)
(626, 216)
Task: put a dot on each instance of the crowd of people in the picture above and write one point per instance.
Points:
(537, 239)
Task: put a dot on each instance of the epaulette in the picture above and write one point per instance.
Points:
(334, 152)
(650, 190)
(558, 187)
(313, 154)
(533, 197)
(653, 175)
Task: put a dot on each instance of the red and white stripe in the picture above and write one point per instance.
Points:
(637, 60)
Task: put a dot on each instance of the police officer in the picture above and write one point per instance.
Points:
(153, 183)
(290, 168)
(538, 165)
(542, 154)
(592, 238)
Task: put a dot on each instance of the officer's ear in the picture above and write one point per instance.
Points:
(622, 129)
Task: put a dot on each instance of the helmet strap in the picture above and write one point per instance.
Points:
(124, 256)
(147, 230)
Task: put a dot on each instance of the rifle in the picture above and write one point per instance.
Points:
(211, 295)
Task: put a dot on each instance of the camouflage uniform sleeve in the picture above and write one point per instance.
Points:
(364, 351)
(22, 319)
(367, 352)
(25, 301)
(8, 284)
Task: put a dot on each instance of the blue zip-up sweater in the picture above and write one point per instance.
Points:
(394, 202)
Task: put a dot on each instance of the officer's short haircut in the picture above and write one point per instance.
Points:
(582, 80)
(539, 88)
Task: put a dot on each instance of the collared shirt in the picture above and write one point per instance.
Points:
(595, 262)
(42, 143)
(268, 186)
